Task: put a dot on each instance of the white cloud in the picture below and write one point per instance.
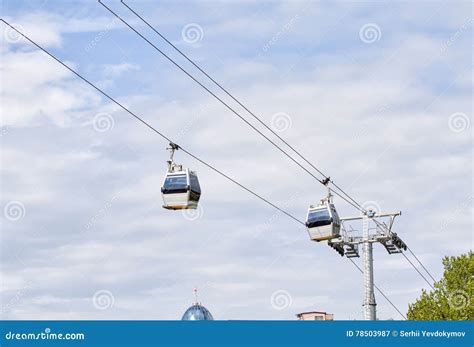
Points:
(40, 27)
(371, 118)
(34, 88)
(115, 70)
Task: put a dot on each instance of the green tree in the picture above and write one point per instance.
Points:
(452, 298)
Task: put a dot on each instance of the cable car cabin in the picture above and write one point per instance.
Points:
(181, 190)
(323, 222)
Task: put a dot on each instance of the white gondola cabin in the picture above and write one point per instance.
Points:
(322, 221)
(180, 189)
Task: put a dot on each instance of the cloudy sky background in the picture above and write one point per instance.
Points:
(376, 94)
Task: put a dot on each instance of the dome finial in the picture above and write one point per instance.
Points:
(197, 311)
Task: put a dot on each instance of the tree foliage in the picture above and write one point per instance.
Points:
(452, 298)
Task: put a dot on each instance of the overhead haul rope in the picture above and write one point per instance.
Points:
(167, 138)
(348, 200)
(325, 181)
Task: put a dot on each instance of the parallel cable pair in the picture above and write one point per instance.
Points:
(167, 138)
(326, 179)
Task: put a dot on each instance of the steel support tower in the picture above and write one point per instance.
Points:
(349, 241)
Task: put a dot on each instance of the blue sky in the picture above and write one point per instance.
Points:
(387, 116)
